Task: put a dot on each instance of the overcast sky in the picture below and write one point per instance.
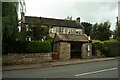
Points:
(92, 11)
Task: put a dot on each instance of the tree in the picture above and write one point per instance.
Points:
(87, 27)
(38, 32)
(101, 31)
(9, 23)
(9, 20)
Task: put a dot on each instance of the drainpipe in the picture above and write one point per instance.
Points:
(89, 47)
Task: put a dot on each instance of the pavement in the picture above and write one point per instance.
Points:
(53, 63)
(99, 69)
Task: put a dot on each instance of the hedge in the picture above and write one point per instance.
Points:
(28, 47)
(38, 46)
(16, 47)
(96, 45)
(111, 48)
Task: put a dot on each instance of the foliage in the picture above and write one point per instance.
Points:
(9, 20)
(39, 46)
(111, 48)
(87, 27)
(96, 45)
(16, 47)
(9, 23)
(101, 31)
(49, 39)
(38, 31)
(28, 47)
(22, 36)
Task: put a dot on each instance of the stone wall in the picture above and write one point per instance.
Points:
(64, 51)
(26, 58)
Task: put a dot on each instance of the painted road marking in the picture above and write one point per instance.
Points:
(82, 74)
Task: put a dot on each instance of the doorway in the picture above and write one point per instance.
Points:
(76, 49)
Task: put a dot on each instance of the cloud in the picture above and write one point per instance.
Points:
(92, 12)
(119, 10)
(97, 12)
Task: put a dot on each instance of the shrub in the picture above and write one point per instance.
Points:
(27, 47)
(16, 47)
(38, 46)
(111, 48)
(51, 42)
(96, 45)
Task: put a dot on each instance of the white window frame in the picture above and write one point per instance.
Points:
(27, 28)
(19, 28)
(79, 31)
(69, 31)
(30, 29)
(52, 30)
(62, 29)
(28, 38)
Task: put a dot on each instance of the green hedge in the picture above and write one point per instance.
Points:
(27, 47)
(111, 48)
(39, 46)
(96, 45)
(16, 46)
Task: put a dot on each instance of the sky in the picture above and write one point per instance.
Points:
(91, 11)
(119, 10)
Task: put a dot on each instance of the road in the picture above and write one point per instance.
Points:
(102, 69)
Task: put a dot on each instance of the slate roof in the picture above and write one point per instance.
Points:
(52, 22)
(70, 37)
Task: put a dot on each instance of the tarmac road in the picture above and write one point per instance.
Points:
(101, 69)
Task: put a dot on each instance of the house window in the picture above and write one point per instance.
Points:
(27, 29)
(62, 30)
(52, 30)
(28, 38)
(68, 31)
(19, 28)
(79, 31)
(30, 29)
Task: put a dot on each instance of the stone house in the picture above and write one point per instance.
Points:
(60, 26)
(68, 36)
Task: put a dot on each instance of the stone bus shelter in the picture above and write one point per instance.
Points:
(69, 46)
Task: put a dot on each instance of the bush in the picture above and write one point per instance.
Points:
(51, 42)
(38, 46)
(111, 48)
(96, 45)
(16, 47)
(27, 47)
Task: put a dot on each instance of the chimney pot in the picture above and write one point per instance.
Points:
(78, 20)
(117, 20)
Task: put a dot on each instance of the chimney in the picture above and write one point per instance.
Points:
(22, 16)
(117, 20)
(22, 21)
(78, 20)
